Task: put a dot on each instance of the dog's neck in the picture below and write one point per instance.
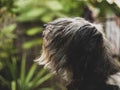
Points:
(113, 83)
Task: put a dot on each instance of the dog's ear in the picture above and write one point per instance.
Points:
(95, 40)
(87, 39)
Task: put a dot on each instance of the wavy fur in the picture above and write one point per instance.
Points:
(78, 51)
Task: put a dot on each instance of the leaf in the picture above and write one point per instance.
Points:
(11, 68)
(23, 3)
(23, 70)
(43, 79)
(39, 76)
(33, 31)
(4, 81)
(31, 14)
(1, 65)
(54, 5)
(10, 36)
(32, 43)
(31, 73)
(13, 85)
(9, 28)
(22, 6)
(3, 55)
(46, 19)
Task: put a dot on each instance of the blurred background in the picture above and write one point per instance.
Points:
(21, 24)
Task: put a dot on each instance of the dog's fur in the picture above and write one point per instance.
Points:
(78, 51)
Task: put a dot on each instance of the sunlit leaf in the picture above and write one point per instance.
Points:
(1, 65)
(13, 85)
(39, 79)
(33, 31)
(31, 73)
(9, 28)
(23, 3)
(43, 79)
(3, 54)
(54, 5)
(23, 70)
(31, 14)
(46, 19)
(32, 43)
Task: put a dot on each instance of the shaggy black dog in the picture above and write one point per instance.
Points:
(78, 51)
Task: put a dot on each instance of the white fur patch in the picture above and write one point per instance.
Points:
(114, 79)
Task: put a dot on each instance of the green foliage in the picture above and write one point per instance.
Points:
(31, 43)
(28, 80)
(32, 10)
(33, 31)
(6, 3)
(6, 40)
(19, 78)
(34, 42)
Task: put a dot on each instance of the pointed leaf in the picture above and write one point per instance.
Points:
(31, 73)
(33, 31)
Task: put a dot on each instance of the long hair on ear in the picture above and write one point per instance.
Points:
(77, 50)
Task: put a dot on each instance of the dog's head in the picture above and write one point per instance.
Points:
(73, 47)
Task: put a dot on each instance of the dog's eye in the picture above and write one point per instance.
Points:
(44, 26)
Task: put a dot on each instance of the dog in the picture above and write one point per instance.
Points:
(79, 52)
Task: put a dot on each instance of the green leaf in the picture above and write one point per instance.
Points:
(46, 19)
(39, 76)
(4, 81)
(31, 14)
(43, 79)
(21, 3)
(11, 68)
(13, 85)
(23, 69)
(1, 66)
(54, 5)
(22, 6)
(9, 28)
(31, 73)
(32, 43)
(10, 36)
(3, 54)
(33, 31)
